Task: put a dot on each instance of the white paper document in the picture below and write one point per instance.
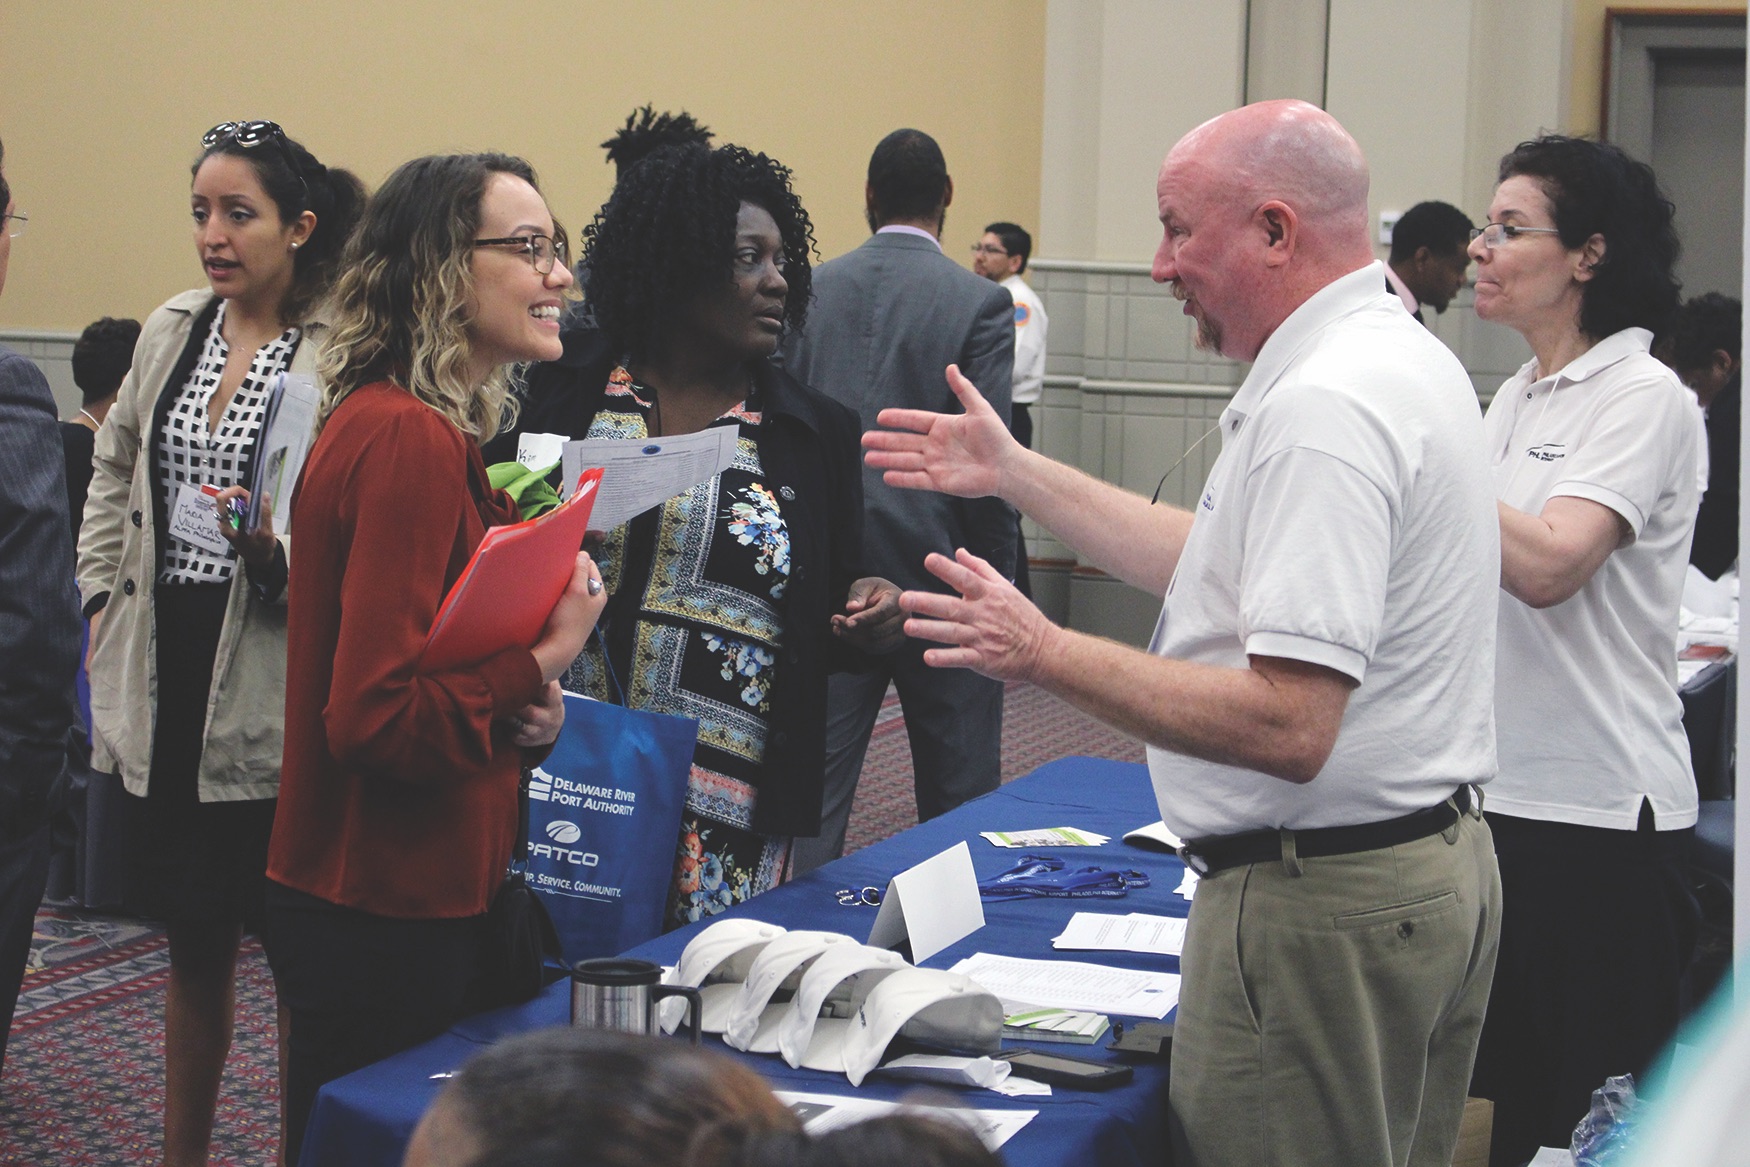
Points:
(1072, 984)
(646, 472)
(539, 451)
(1136, 932)
(824, 1112)
(1188, 886)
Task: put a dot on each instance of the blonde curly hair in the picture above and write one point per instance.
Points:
(404, 301)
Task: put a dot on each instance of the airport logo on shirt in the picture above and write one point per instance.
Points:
(1548, 452)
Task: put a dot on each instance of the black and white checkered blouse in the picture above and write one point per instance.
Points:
(189, 452)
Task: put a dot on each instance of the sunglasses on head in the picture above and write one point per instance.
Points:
(245, 134)
(251, 134)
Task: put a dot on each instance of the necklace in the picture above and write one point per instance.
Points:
(95, 424)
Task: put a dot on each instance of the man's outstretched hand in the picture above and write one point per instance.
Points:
(961, 454)
(993, 629)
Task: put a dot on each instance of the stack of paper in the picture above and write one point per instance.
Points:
(1071, 984)
(1069, 1025)
(1136, 932)
(1047, 837)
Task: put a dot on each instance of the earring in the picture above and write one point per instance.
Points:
(294, 246)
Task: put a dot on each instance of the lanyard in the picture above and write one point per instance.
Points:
(1045, 876)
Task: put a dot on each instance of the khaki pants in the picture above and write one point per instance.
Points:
(1331, 1007)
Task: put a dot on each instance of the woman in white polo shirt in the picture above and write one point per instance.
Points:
(1594, 462)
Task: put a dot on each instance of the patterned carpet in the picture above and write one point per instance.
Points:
(84, 1072)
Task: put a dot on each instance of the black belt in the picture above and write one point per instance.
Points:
(1207, 856)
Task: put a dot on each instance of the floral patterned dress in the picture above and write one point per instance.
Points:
(694, 622)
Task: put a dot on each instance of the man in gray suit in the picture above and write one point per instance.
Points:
(39, 639)
(888, 319)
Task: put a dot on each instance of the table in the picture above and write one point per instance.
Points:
(365, 1118)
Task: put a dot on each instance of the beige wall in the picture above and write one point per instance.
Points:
(1588, 76)
(103, 104)
(1124, 80)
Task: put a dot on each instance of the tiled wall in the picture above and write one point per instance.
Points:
(1127, 395)
(53, 353)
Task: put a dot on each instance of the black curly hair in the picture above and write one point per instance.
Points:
(1595, 188)
(647, 131)
(667, 235)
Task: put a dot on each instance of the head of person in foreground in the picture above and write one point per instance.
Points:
(597, 1097)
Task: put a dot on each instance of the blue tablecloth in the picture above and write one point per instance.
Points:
(365, 1119)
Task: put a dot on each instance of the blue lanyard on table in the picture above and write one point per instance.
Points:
(1045, 876)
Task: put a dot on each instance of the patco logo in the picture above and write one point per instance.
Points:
(563, 832)
(563, 854)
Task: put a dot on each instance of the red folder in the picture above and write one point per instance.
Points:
(503, 597)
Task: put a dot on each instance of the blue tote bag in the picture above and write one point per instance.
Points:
(604, 820)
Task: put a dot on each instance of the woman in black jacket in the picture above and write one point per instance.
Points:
(729, 603)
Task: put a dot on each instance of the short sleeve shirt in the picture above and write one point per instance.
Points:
(1589, 717)
(1348, 522)
(1030, 325)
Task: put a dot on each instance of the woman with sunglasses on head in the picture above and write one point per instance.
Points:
(1594, 449)
(188, 633)
(398, 804)
(731, 602)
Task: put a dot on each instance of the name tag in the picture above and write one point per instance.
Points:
(195, 520)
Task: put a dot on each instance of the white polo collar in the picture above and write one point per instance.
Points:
(1344, 295)
(1607, 352)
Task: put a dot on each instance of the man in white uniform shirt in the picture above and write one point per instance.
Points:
(1318, 697)
(1001, 255)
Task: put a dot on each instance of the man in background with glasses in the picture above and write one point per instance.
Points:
(1001, 255)
(39, 638)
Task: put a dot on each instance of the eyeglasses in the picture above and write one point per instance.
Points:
(251, 134)
(543, 250)
(19, 219)
(1493, 234)
(987, 249)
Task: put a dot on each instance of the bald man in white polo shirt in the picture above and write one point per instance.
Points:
(1318, 697)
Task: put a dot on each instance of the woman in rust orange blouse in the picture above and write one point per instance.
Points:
(398, 802)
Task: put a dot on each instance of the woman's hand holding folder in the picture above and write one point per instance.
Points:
(572, 619)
